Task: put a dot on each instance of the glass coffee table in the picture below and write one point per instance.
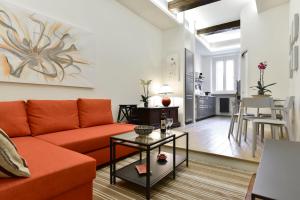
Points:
(155, 171)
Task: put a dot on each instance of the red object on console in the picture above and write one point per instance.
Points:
(166, 101)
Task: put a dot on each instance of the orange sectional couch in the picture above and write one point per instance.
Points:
(62, 141)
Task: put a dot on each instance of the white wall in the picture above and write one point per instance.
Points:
(198, 47)
(266, 38)
(206, 66)
(175, 41)
(295, 82)
(173, 44)
(128, 48)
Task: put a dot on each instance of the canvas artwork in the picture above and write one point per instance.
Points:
(39, 50)
(296, 58)
(294, 48)
(291, 68)
(296, 28)
(172, 62)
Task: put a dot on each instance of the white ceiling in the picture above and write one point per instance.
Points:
(152, 12)
(263, 5)
(216, 13)
(224, 36)
(205, 16)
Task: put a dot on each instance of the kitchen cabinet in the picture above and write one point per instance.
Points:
(205, 107)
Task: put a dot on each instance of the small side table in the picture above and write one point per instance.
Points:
(155, 171)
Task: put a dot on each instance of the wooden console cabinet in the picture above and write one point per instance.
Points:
(151, 116)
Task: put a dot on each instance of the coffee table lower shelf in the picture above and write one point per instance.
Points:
(158, 170)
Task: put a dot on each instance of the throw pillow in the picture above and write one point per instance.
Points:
(11, 163)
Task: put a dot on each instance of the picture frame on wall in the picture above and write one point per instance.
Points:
(172, 67)
(66, 53)
(296, 57)
(291, 67)
(294, 48)
(292, 33)
(291, 44)
(295, 28)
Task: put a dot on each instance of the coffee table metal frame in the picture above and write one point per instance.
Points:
(147, 182)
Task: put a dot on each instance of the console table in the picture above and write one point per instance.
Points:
(151, 116)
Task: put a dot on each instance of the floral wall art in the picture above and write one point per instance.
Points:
(294, 47)
(39, 50)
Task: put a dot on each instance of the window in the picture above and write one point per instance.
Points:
(224, 73)
(229, 75)
(219, 75)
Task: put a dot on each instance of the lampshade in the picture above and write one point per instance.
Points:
(165, 89)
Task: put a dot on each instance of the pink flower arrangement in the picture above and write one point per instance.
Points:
(262, 65)
(262, 89)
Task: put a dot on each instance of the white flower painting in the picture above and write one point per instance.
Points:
(39, 50)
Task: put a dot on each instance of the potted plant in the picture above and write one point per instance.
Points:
(145, 97)
(262, 89)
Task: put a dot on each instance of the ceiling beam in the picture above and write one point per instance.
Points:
(220, 28)
(182, 5)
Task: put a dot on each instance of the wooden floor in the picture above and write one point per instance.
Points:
(210, 136)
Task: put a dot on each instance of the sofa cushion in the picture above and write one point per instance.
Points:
(13, 118)
(94, 112)
(54, 170)
(11, 163)
(85, 140)
(47, 116)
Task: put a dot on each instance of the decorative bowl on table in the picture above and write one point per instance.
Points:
(161, 158)
(143, 130)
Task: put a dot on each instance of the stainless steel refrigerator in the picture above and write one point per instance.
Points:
(189, 87)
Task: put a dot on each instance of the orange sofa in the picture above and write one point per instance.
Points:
(62, 141)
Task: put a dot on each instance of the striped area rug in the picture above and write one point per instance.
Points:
(198, 181)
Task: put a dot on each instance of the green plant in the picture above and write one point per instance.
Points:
(145, 97)
(262, 90)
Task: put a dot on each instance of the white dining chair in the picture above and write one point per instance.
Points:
(284, 123)
(257, 103)
(278, 110)
(235, 116)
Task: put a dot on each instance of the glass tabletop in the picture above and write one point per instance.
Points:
(155, 137)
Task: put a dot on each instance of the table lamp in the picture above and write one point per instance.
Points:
(165, 90)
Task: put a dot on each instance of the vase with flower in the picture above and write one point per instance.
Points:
(145, 97)
(262, 89)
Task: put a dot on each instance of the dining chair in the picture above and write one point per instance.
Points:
(278, 110)
(253, 102)
(284, 123)
(235, 116)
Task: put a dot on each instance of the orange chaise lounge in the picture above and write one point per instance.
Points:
(62, 141)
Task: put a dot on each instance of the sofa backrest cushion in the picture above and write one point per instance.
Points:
(47, 116)
(94, 112)
(13, 118)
